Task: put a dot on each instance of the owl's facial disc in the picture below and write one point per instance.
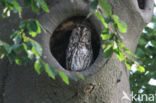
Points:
(83, 30)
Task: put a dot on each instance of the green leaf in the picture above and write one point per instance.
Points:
(44, 5)
(80, 76)
(14, 5)
(101, 18)
(148, 29)
(17, 6)
(2, 52)
(128, 66)
(33, 27)
(17, 39)
(17, 48)
(108, 19)
(94, 4)
(30, 54)
(12, 56)
(28, 45)
(119, 54)
(139, 52)
(153, 42)
(73, 77)
(23, 24)
(126, 49)
(18, 61)
(106, 36)
(38, 66)
(34, 6)
(37, 4)
(140, 68)
(143, 41)
(27, 3)
(50, 71)
(105, 31)
(108, 51)
(122, 26)
(6, 47)
(89, 14)
(64, 77)
(129, 63)
(36, 48)
(106, 7)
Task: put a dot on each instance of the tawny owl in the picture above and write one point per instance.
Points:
(79, 52)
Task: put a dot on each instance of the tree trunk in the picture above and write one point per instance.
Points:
(105, 80)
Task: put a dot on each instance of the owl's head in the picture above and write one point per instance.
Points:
(83, 33)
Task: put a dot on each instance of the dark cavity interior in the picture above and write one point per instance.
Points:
(60, 38)
(141, 4)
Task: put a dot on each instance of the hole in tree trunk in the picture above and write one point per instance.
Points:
(60, 39)
(142, 4)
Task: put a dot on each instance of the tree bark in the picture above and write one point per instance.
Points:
(105, 80)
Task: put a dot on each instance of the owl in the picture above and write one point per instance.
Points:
(79, 52)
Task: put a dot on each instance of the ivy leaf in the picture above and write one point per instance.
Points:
(122, 26)
(64, 77)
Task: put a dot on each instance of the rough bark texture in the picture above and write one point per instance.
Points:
(105, 79)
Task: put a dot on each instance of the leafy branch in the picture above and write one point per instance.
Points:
(24, 49)
(113, 26)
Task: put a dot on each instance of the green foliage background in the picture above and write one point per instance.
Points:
(146, 50)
